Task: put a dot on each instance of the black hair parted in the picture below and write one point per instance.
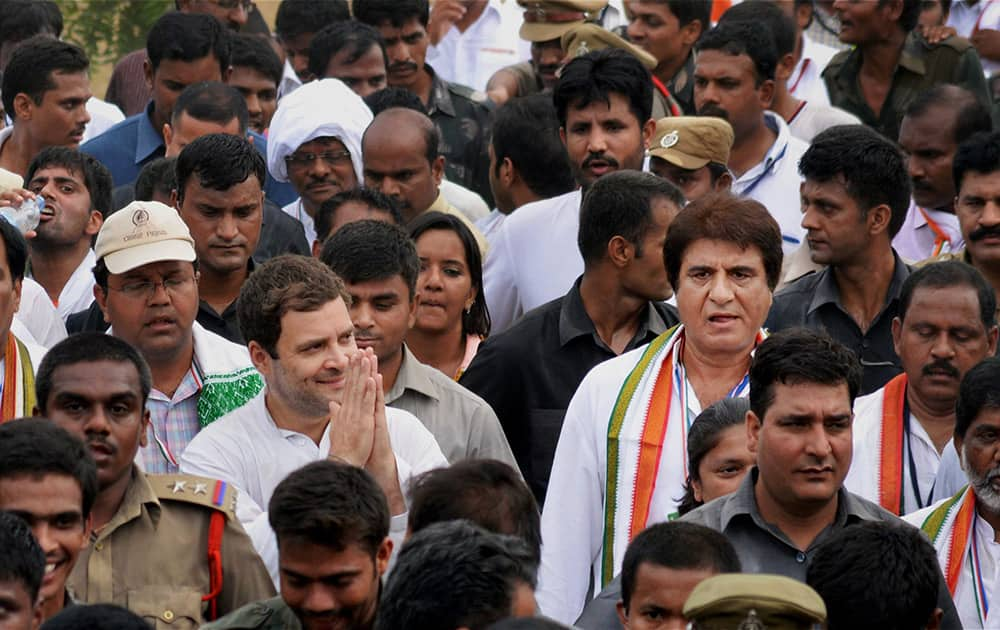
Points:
(744, 38)
(351, 35)
(96, 177)
(32, 65)
(188, 37)
(219, 161)
(368, 196)
(768, 14)
(253, 51)
(594, 77)
(368, 250)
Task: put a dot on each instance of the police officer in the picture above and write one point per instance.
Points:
(761, 602)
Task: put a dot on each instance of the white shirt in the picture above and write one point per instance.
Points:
(78, 292)
(103, 116)
(775, 181)
(915, 240)
(246, 448)
(290, 81)
(490, 225)
(533, 259)
(964, 19)
(298, 212)
(614, 15)
(490, 43)
(813, 118)
(806, 82)
(37, 320)
(464, 200)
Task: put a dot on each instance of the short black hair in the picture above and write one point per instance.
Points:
(620, 204)
(212, 101)
(32, 65)
(525, 130)
(971, 116)
(797, 356)
(950, 273)
(742, 38)
(980, 390)
(876, 575)
(687, 11)
(487, 492)
(296, 17)
(980, 153)
(453, 574)
(253, 51)
(390, 97)
(354, 36)
(476, 320)
(16, 248)
(910, 15)
(88, 347)
(37, 447)
(704, 435)
(22, 560)
(872, 167)
(188, 37)
(220, 161)
(96, 176)
(372, 250)
(594, 77)
(768, 14)
(96, 617)
(373, 198)
(21, 19)
(677, 545)
(395, 12)
(156, 176)
(331, 504)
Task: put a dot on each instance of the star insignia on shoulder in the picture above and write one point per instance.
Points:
(178, 487)
(200, 488)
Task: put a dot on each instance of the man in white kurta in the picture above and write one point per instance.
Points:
(902, 430)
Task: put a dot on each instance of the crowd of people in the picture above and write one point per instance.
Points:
(511, 314)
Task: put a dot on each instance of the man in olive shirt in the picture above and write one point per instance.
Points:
(891, 63)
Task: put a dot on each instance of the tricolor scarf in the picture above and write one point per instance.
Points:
(890, 446)
(228, 378)
(18, 398)
(646, 403)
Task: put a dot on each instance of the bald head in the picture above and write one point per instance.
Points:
(401, 160)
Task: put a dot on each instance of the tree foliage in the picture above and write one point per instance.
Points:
(109, 29)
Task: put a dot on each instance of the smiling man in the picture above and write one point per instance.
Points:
(723, 258)
(95, 386)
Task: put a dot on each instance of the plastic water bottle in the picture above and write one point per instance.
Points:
(26, 216)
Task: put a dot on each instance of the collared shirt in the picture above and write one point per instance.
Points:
(225, 324)
(542, 359)
(681, 86)
(813, 301)
(297, 211)
(920, 67)
(78, 292)
(813, 118)
(463, 424)
(173, 424)
(916, 240)
(247, 449)
(775, 180)
(462, 117)
(37, 317)
(488, 44)
(535, 258)
(806, 82)
(490, 225)
(290, 80)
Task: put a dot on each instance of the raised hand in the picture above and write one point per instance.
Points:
(444, 14)
(352, 420)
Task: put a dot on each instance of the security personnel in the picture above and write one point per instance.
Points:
(585, 38)
(692, 153)
(544, 25)
(167, 547)
(760, 602)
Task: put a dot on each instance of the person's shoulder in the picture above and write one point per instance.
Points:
(237, 426)
(529, 325)
(474, 98)
(795, 289)
(837, 62)
(953, 45)
(919, 517)
(191, 491)
(449, 389)
(868, 510)
(609, 375)
(530, 214)
(266, 614)
(708, 514)
(116, 137)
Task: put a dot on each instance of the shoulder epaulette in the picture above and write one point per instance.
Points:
(958, 44)
(209, 493)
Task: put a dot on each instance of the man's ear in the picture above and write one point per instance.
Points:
(102, 302)
(620, 251)
(786, 66)
(724, 182)
(147, 72)
(437, 169)
(766, 93)
(934, 623)
(691, 31)
(622, 614)
(879, 218)
(144, 435)
(168, 134)
(897, 329)
(260, 357)
(24, 106)
(753, 431)
(382, 556)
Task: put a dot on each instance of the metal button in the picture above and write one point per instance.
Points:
(168, 615)
(99, 546)
(800, 557)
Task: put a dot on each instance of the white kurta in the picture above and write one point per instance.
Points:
(806, 82)
(246, 448)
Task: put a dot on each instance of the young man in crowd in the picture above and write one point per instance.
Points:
(22, 567)
(324, 400)
(256, 74)
(295, 25)
(353, 52)
(147, 288)
(331, 521)
(45, 92)
(903, 432)
(854, 201)
(350, 206)
(95, 386)
(691, 152)
(614, 307)
(379, 266)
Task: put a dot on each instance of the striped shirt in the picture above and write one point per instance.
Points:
(173, 424)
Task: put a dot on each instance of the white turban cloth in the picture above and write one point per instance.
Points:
(325, 108)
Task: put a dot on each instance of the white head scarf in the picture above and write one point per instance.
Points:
(325, 108)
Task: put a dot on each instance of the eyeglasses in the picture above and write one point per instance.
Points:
(246, 5)
(332, 158)
(145, 289)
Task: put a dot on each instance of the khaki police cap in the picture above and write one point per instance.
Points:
(761, 602)
(691, 142)
(548, 20)
(585, 38)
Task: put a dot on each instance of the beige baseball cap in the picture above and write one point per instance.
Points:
(143, 232)
(548, 20)
(691, 142)
(775, 602)
(585, 38)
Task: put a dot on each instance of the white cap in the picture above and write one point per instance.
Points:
(143, 232)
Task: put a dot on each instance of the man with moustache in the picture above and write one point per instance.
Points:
(963, 528)
(603, 103)
(946, 325)
(95, 386)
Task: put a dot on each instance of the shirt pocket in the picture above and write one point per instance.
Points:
(166, 607)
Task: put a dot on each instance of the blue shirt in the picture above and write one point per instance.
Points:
(134, 142)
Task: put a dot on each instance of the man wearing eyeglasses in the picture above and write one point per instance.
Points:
(147, 287)
(315, 143)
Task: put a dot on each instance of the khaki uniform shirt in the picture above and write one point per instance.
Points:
(921, 66)
(152, 556)
(270, 614)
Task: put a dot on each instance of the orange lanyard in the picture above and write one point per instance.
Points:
(940, 238)
(674, 111)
